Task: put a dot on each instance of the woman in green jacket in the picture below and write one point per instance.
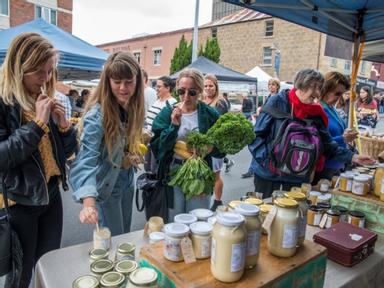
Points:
(173, 124)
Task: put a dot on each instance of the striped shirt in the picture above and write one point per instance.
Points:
(155, 109)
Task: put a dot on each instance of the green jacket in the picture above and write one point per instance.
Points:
(165, 135)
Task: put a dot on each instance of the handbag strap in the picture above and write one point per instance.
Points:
(5, 198)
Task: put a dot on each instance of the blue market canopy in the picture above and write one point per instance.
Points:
(222, 73)
(78, 59)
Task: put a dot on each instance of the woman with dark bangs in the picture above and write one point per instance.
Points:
(111, 128)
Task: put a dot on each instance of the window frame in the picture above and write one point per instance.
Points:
(266, 30)
(333, 62)
(46, 12)
(6, 15)
(134, 53)
(154, 50)
(268, 58)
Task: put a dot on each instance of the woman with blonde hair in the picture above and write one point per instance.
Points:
(111, 128)
(174, 123)
(35, 141)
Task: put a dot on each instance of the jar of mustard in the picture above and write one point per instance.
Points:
(253, 227)
(228, 247)
(143, 278)
(314, 215)
(253, 201)
(333, 217)
(174, 233)
(201, 239)
(282, 237)
(303, 208)
(264, 210)
(356, 218)
(378, 176)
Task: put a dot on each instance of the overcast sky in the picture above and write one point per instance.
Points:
(101, 21)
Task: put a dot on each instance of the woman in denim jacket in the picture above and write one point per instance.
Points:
(102, 174)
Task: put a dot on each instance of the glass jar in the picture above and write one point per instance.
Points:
(356, 218)
(201, 239)
(86, 281)
(333, 217)
(174, 232)
(276, 194)
(343, 213)
(345, 182)
(324, 185)
(382, 190)
(282, 237)
(100, 267)
(228, 247)
(360, 185)
(305, 188)
(253, 201)
(125, 251)
(112, 280)
(155, 224)
(202, 214)
(220, 209)
(102, 238)
(324, 198)
(303, 208)
(186, 219)
(253, 228)
(97, 254)
(264, 210)
(156, 237)
(314, 215)
(313, 197)
(126, 267)
(233, 204)
(212, 220)
(379, 175)
(143, 278)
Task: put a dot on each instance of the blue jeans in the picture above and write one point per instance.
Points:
(381, 108)
(116, 212)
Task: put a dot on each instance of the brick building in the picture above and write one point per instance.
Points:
(16, 12)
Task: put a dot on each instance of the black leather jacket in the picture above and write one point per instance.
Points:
(20, 159)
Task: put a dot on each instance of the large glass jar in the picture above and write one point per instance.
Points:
(303, 209)
(228, 247)
(201, 239)
(282, 237)
(174, 232)
(379, 175)
(264, 210)
(253, 227)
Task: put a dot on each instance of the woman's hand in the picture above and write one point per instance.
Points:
(58, 115)
(43, 107)
(362, 160)
(89, 215)
(349, 135)
(176, 116)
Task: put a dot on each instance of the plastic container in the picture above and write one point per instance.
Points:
(186, 219)
(202, 214)
(174, 232)
(201, 239)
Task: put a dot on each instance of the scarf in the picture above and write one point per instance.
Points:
(304, 111)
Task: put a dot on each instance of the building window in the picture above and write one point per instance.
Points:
(157, 57)
(347, 66)
(214, 32)
(363, 67)
(267, 56)
(269, 28)
(4, 7)
(333, 62)
(47, 14)
(137, 56)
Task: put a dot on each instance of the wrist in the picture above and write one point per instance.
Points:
(42, 125)
(89, 202)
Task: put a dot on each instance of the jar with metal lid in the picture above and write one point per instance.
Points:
(253, 201)
(264, 210)
(360, 185)
(156, 237)
(343, 213)
(97, 254)
(201, 239)
(276, 194)
(303, 208)
(185, 218)
(233, 204)
(228, 247)
(253, 228)
(313, 196)
(379, 175)
(86, 281)
(202, 214)
(174, 233)
(314, 215)
(324, 198)
(100, 267)
(143, 278)
(125, 251)
(155, 224)
(333, 217)
(305, 188)
(345, 182)
(102, 238)
(112, 280)
(282, 237)
(126, 267)
(356, 218)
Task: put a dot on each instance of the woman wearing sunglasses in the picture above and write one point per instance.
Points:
(173, 124)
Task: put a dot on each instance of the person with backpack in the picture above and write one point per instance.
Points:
(292, 139)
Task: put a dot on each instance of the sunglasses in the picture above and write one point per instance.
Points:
(191, 92)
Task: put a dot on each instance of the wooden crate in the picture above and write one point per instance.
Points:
(305, 269)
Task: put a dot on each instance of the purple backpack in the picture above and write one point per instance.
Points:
(297, 146)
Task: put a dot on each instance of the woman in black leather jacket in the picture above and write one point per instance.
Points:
(35, 141)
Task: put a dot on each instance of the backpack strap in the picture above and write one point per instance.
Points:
(275, 113)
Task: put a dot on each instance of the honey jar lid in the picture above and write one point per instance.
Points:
(286, 203)
(156, 236)
(361, 178)
(254, 201)
(112, 279)
(266, 208)
(295, 195)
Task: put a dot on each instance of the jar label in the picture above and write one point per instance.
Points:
(317, 219)
(358, 188)
(187, 250)
(213, 251)
(238, 257)
(362, 223)
(302, 225)
(206, 247)
(172, 249)
(269, 219)
(349, 185)
(290, 236)
(382, 186)
(253, 243)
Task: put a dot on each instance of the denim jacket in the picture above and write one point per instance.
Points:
(92, 174)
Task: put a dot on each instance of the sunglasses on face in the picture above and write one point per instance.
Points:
(191, 92)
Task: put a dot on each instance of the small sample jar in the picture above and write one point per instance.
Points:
(314, 215)
(86, 281)
(282, 237)
(356, 218)
(378, 177)
(333, 217)
(253, 201)
(125, 251)
(360, 185)
(102, 238)
(343, 213)
(264, 210)
(313, 197)
(345, 182)
(155, 224)
(100, 267)
(228, 247)
(174, 232)
(156, 237)
(305, 188)
(233, 204)
(126, 267)
(112, 280)
(324, 185)
(324, 198)
(185, 218)
(202, 214)
(302, 200)
(143, 278)
(201, 239)
(97, 254)
(253, 228)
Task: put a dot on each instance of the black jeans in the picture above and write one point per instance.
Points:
(39, 229)
(266, 186)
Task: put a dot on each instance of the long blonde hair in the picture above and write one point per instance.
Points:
(216, 83)
(119, 66)
(196, 76)
(26, 54)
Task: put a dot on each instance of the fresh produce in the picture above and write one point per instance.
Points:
(231, 133)
(181, 150)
